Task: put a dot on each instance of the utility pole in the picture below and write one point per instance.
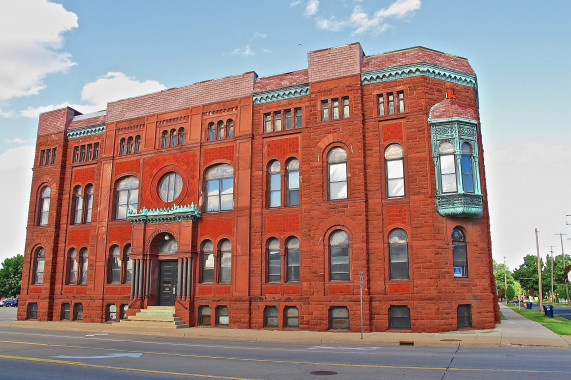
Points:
(564, 264)
(539, 271)
(505, 281)
(552, 293)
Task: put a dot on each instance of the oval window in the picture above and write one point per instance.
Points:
(170, 187)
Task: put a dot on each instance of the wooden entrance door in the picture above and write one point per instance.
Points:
(167, 282)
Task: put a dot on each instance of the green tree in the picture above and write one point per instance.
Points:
(527, 275)
(500, 279)
(11, 276)
(510, 292)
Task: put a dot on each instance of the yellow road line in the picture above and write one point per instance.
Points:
(81, 364)
(294, 362)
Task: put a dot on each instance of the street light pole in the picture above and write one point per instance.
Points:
(539, 271)
(505, 281)
(564, 263)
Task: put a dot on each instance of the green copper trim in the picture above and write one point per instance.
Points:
(417, 69)
(165, 215)
(281, 94)
(89, 130)
(460, 205)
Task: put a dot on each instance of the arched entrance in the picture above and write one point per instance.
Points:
(166, 246)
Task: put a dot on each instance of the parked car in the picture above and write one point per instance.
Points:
(4, 301)
(13, 302)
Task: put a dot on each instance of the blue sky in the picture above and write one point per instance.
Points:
(85, 53)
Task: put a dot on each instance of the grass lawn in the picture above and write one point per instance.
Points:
(502, 316)
(558, 325)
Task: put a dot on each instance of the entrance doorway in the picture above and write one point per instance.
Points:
(167, 282)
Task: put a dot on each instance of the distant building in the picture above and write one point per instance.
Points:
(257, 203)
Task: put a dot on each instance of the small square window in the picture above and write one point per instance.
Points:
(291, 317)
(399, 318)
(339, 318)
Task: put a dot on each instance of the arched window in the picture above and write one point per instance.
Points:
(77, 205)
(128, 276)
(126, 196)
(137, 144)
(467, 167)
(122, 146)
(221, 131)
(292, 259)
(88, 202)
(230, 128)
(337, 164)
(114, 265)
(164, 139)
(274, 184)
(211, 132)
(173, 137)
(398, 254)
(181, 136)
(44, 206)
(220, 188)
(293, 182)
(39, 259)
(130, 145)
(207, 262)
(447, 167)
(394, 161)
(71, 266)
(274, 260)
(77, 312)
(339, 256)
(225, 271)
(271, 317)
(83, 265)
(459, 253)
(170, 186)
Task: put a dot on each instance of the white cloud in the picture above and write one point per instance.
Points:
(16, 173)
(6, 113)
(15, 140)
(259, 35)
(294, 3)
(31, 48)
(361, 21)
(311, 8)
(247, 51)
(111, 86)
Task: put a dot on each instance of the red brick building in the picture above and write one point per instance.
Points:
(254, 202)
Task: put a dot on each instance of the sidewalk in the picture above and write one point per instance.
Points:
(515, 331)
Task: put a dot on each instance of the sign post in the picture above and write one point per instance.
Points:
(361, 291)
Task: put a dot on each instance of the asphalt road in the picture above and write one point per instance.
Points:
(28, 353)
(558, 311)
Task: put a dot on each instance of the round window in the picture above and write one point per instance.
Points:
(170, 187)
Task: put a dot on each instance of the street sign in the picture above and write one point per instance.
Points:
(457, 272)
(361, 278)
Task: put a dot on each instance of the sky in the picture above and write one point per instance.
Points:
(87, 53)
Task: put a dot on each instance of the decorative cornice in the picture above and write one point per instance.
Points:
(165, 215)
(281, 93)
(417, 69)
(89, 130)
(460, 205)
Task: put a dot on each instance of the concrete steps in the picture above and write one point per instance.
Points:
(154, 317)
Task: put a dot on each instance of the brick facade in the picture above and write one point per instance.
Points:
(431, 291)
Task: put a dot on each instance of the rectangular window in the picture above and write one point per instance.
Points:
(64, 316)
(207, 267)
(204, 315)
(271, 317)
(42, 153)
(346, 107)
(391, 99)
(287, 121)
(400, 96)
(339, 318)
(222, 318)
(292, 265)
(399, 318)
(53, 156)
(75, 154)
(324, 110)
(448, 173)
(225, 267)
(95, 151)
(381, 105)
(89, 152)
(274, 266)
(464, 316)
(82, 153)
(277, 121)
(298, 118)
(335, 108)
(267, 122)
(291, 315)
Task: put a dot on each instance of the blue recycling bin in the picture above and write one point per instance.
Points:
(548, 310)
(529, 305)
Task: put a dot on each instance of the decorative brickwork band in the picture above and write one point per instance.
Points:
(165, 215)
(89, 130)
(417, 69)
(281, 94)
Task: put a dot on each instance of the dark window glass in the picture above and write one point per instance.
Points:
(173, 138)
(346, 113)
(211, 132)
(394, 161)
(75, 154)
(399, 318)
(95, 151)
(339, 256)
(32, 311)
(220, 188)
(130, 145)
(271, 316)
(122, 146)
(164, 139)
(464, 316)
(337, 164)
(287, 119)
(127, 197)
(48, 156)
(298, 118)
(225, 272)
(137, 144)
(459, 253)
(124, 308)
(53, 156)
(170, 187)
(39, 259)
(44, 206)
(77, 312)
(128, 276)
(77, 205)
(274, 185)
(83, 265)
(114, 265)
(207, 274)
(466, 164)
(89, 152)
(88, 203)
(339, 318)
(42, 155)
(292, 257)
(291, 317)
(64, 315)
(398, 252)
(293, 183)
(222, 317)
(274, 260)
(72, 267)
(204, 315)
(221, 130)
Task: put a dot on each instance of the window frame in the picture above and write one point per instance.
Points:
(38, 271)
(288, 319)
(71, 272)
(345, 173)
(88, 209)
(271, 314)
(224, 261)
(459, 247)
(131, 192)
(219, 315)
(83, 266)
(333, 325)
(202, 316)
(292, 193)
(219, 180)
(393, 252)
(273, 257)
(336, 275)
(127, 265)
(395, 321)
(77, 205)
(274, 184)
(114, 265)
(392, 166)
(65, 311)
(292, 267)
(78, 311)
(44, 206)
(32, 311)
(464, 316)
(207, 258)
